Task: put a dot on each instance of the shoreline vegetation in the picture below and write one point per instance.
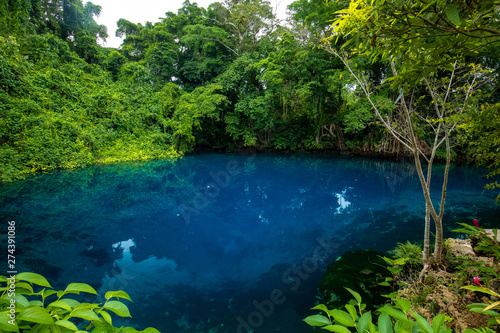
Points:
(204, 77)
(460, 294)
(171, 154)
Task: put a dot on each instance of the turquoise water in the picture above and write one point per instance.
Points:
(224, 242)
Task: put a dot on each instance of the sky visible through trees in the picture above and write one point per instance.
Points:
(151, 10)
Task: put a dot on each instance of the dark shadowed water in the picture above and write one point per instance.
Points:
(223, 242)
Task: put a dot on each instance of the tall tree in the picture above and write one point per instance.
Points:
(203, 102)
(413, 38)
(302, 79)
(151, 46)
(246, 21)
(77, 18)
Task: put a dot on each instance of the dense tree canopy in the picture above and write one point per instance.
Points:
(226, 77)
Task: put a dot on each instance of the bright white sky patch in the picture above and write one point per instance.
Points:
(141, 11)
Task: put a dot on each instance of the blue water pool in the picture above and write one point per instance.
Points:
(224, 242)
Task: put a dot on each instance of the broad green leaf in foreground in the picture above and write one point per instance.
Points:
(80, 287)
(117, 294)
(317, 320)
(67, 324)
(34, 314)
(34, 279)
(117, 307)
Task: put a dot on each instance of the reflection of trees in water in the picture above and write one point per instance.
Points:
(71, 197)
(87, 202)
(94, 195)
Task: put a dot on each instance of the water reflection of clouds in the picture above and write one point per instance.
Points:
(139, 277)
(343, 203)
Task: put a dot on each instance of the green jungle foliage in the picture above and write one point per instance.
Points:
(226, 77)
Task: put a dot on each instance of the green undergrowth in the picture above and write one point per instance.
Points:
(460, 294)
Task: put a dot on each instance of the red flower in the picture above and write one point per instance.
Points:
(476, 223)
(477, 280)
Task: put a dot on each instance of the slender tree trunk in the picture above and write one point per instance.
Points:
(439, 223)
(427, 235)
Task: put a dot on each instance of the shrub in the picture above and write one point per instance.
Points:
(47, 310)
(398, 318)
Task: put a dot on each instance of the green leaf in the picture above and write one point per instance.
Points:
(60, 304)
(99, 330)
(465, 231)
(21, 301)
(317, 320)
(34, 279)
(342, 317)
(67, 324)
(36, 303)
(79, 287)
(355, 294)
(422, 322)
(86, 306)
(151, 330)
(106, 317)
(336, 328)
(452, 14)
(401, 261)
(493, 321)
(352, 311)
(437, 322)
(34, 314)
(479, 308)
(84, 314)
(403, 304)
(5, 326)
(320, 307)
(425, 7)
(117, 294)
(47, 292)
(398, 314)
(384, 323)
(24, 285)
(481, 289)
(128, 330)
(117, 307)
(399, 97)
(71, 302)
(388, 261)
(403, 326)
(364, 322)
